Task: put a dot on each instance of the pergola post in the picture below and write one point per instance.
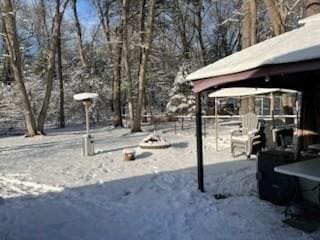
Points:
(199, 142)
(216, 120)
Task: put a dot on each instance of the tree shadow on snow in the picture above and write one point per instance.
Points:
(180, 145)
(143, 155)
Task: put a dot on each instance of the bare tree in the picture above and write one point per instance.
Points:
(8, 17)
(136, 127)
(82, 54)
(114, 44)
(180, 12)
(51, 62)
(198, 5)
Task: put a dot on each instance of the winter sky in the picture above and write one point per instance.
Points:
(86, 12)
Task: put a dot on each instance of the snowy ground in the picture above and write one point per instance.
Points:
(51, 192)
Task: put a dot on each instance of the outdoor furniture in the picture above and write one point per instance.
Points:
(282, 136)
(244, 139)
(305, 169)
(308, 219)
(314, 148)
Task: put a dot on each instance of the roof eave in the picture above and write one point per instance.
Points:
(264, 71)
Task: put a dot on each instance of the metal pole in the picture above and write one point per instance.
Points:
(199, 142)
(216, 120)
(271, 103)
(126, 117)
(261, 111)
(182, 120)
(86, 106)
(175, 127)
(204, 126)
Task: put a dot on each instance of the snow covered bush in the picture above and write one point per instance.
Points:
(182, 101)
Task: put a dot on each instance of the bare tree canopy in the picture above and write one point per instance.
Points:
(135, 54)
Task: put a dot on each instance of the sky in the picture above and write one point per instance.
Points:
(86, 12)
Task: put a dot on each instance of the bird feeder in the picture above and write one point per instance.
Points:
(87, 139)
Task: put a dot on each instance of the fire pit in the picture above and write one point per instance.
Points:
(154, 141)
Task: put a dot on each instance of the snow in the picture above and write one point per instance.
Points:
(310, 20)
(52, 192)
(244, 91)
(84, 96)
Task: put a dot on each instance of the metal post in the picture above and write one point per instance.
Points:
(204, 127)
(86, 107)
(199, 142)
(271, 103)
(216, 121)
(182, 120)
(126, 117)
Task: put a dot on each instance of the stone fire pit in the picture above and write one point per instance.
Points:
(154, 141)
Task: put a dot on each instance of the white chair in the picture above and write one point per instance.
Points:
(247, 136)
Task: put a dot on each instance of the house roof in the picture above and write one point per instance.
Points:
(301, 45)
(243, 91)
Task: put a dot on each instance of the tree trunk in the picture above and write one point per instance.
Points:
(117, 56)
(253, 22)
(125, 59)
(248, 38)
(60, 77)
(13, 46)
(249, 24)
(51, 65)
(275, 17)
(198, 25)
(142, 68)
(82, 54)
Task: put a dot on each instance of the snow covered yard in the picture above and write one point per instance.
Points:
(52, 192)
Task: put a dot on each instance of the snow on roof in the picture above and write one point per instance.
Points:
(297, 45)
(312, 19)
(84, 96)
(243, 91)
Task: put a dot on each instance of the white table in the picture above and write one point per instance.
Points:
(314, 147)
(309, 169)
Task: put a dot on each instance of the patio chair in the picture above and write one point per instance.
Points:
(247, 136)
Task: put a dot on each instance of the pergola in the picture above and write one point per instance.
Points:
(290, 61)
(242, 92)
